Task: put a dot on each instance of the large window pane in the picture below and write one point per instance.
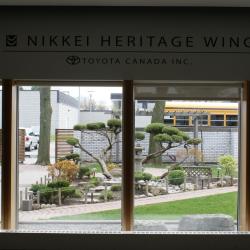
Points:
(191, 186)
(73, 184)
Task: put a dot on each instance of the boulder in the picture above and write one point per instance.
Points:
(148, 225)
(206, 222)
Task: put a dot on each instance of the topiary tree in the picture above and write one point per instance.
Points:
(109, 132)
(168, 137)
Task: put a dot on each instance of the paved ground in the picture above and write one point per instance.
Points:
(47, 213)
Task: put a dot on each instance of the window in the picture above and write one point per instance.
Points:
(182, 120)
(217, 120)
(232, 120)
(169, 120)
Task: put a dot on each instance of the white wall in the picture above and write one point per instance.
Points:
(88, 117)
(67, 116)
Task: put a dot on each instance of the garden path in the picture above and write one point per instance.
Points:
(47, 213)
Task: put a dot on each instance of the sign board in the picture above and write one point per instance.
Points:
(115, 43)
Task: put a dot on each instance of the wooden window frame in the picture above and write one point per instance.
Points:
(9, 164)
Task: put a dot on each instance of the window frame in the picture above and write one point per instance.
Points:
(10, 96)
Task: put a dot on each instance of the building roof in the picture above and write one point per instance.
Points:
(226, 3)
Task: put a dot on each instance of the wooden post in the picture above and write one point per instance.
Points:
(244, 170)
(21, 200)
(105, 192)
(59, 196)
(146, 188)
(9, 155)
(38, 197)
(166, 185)
(185, 183)
(128, 156)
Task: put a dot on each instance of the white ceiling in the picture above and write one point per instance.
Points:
(228, 3)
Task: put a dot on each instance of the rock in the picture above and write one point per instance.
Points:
(206, 222)
(150, 195)
(189, 186)
(155, 191)
(43, 205)
(223, 183)
(141, 182)
(150, 226)
(35, 206)
(99, 188)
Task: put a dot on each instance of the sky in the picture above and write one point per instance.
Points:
(99, 94)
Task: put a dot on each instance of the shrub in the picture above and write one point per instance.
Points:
(194, 141)
(114, 123)
(139, 136)
(155, 128)
(170, 130)
(84, 171)
(95, 181)
(116, 187)
(111, 166)
(163, 138)
(74, 156)
(176, 177)
(79, 127)
(143, 176)
(72, 141)
(50, 195)
(176, 167)
(58, 184)
(96, 126)
(37, 187)
(147, 176)
(109, 195)
(64, 170)
(228, 164)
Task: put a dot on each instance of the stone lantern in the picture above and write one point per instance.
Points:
(138, 157)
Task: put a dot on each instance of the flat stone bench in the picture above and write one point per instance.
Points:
(206, 222)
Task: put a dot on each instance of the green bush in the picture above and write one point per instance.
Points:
(194, 141)
(163, 138)
(72, 141)
(37, 187)
(95, 126)
(139, 136)
(155, 128)
(176, 167)
(74, 156)
(84, 171)
(79, 127)
(110, 195)
(143, 176)
(58, 184)
(114, 123)
(95, 181)
(170, 130)
(50, 195)
(228, 165)
(176, 177)
(116, 187)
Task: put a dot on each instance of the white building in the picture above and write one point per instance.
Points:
(65, 109)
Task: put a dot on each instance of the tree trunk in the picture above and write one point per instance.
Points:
(157, 116)
(103, 166)
(45, 127)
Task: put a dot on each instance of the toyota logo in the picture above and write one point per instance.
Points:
(73, 60)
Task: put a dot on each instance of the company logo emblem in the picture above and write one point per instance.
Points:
(73, 60)
(11, 40)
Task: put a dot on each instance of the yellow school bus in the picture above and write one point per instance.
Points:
(182, 113)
